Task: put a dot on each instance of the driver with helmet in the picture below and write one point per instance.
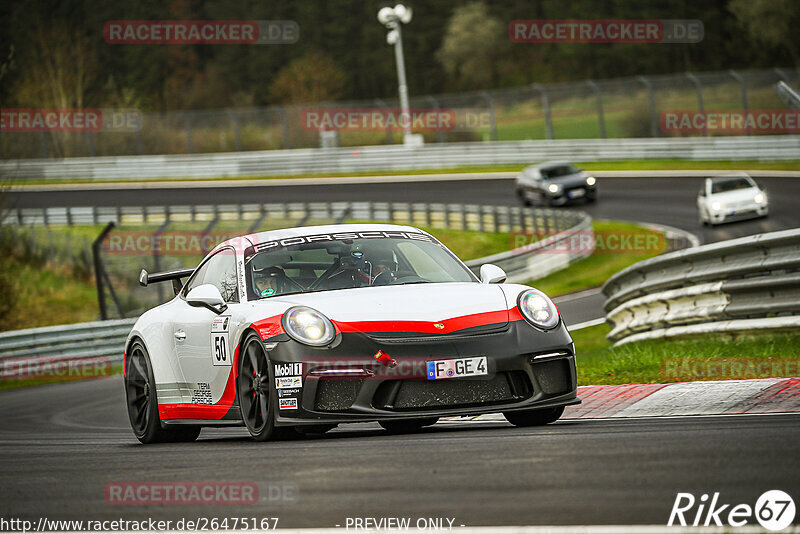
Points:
(269, 281)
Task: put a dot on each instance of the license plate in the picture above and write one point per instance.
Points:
(575, 193)
(457, 368)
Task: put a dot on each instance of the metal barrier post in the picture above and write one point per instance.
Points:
(98, 270)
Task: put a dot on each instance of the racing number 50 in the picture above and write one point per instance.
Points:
(219, 349)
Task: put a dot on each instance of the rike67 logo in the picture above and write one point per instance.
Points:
(774, 510)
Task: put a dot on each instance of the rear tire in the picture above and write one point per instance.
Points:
(534, 417)
(142, 401)
(407, 426)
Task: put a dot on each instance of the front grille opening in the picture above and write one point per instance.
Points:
(553, 376)
(431, 394)
(336, 395)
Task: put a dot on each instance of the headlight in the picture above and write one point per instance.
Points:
(538, 309)
(716, 206)
(591, 181)
(308, 326)
(553, 188)
(759, 198)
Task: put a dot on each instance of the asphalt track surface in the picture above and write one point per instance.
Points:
(670, 201)
(61, 444)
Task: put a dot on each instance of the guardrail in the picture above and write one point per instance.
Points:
(54, 345)
(740, 285)
(401, 158)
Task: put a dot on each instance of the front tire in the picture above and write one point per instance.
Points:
(254, 390)
(407, 426)
(142, 401)
(534, 417)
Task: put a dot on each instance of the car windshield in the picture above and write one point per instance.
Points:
(345, 260)
(557, 172)
(730, 184)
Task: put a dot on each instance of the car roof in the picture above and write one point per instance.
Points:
(300, 231)
(728, 176)
(551, 164)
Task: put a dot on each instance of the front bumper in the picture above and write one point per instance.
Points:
(580, 192)
(740, 213)
(527, 369)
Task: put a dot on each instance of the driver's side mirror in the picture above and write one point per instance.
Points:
(208, 296)
(492, 274)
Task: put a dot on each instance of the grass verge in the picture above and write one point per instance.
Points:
(610, 256)
(685, 359)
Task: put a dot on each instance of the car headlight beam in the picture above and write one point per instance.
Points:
(591, 180)
(553, 188)
(716, 206)
(759, 198)
(538, 309)
(308, 326)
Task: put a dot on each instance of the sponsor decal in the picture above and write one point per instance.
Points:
(773, 510)
(288, 369)
(202, 394)
(288, 404)
(220, 354)
(289, 392)
(283, 382)
(343, 236)
(440, 326)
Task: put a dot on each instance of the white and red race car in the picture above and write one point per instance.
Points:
(307, 328)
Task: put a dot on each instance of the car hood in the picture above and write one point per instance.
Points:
(570, 180)
(411, 308)
(740, 195)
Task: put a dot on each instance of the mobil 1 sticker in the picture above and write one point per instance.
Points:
(220, 353)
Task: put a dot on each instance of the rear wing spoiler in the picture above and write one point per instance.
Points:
(146, 278)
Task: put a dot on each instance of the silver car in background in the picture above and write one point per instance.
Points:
(731, 197)
(555, 184)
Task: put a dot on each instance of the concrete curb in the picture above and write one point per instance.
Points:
(724, 397)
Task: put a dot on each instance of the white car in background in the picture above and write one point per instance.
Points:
(731, 197)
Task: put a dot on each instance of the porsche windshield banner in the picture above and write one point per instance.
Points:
(342, 236)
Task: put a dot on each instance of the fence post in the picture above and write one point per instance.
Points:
(187, 122)
(92, 152)
(651, 99)
(98, 270)
(743, 91)
(237, 137)
(601, 119)
(699, 88)
(548, 121)
(439, 131)
(389, 138)
(492, 116)
(287, 140)
(43, 137)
